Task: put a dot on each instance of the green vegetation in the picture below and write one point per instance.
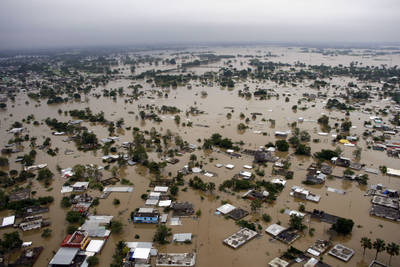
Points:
(92, 261)
(326, 154)
(296, 222)
(282, 145)
(343, 226)
(246, 224)
(162, 233)
(75, 217)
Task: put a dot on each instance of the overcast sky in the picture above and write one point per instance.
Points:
(61, 23)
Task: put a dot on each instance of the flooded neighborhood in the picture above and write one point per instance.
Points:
(206, 133)
(201, 156)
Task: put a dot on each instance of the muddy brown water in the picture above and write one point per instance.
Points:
(209, 230)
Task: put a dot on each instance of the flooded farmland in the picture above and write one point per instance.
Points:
(170, 104)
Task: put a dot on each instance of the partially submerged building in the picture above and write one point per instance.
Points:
(341, 252)
(285, 235)
(67, 257)
(33, 222)
(278, 262)
(176, 259)
(95, 226)
(299, 192)
(79, 239)
(253, 194)
(240, 238)
(182, 209)
(319, 247)
(341, 161)
(182, 238)
(232, 212)
(146, 215)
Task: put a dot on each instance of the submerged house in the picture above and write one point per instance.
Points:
(79, 239)
(68, 257)
(253, 194)
(316, 178)
(182, 209)
(299, 192)
(262, 156)
(340, 161)
(146, 215)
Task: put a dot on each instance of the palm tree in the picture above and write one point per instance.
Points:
(366, 244)
(379, 245)
(393, 250)
(211, 187)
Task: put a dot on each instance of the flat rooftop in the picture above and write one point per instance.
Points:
(278, 262)
(386, 201)
(176, 259)
(341, 252)
(241, 237)
(385, 212)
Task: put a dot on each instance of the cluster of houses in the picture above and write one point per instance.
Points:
(142, 252)
(87, 241)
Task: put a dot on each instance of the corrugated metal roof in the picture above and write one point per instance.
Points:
(64, 256)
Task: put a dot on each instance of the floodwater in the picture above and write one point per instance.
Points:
(210, 229)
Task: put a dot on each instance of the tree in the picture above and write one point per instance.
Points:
(282, 145)
(266, 218)
(92, 261)
(79, 171)
(193, 157)
(379, 245)
(296, 222)
(139, 153)
(114, 171)
(177, 119)
(366, 243)
(343, 226)
(120, 253)
(116, 227)
(393, 250)
(45, 175)
(303, 150)
(357, 152)
(74, 217)
(161, 234)
(362, 179)
(3, 161)
(255, 204)
(294, 141)
(211, 187)
(174, 190)
(324, 120)
(346, 125)
(305, 136)
(11, 241)
(46, 233)
(88, 138)
(383, 169)
(326, 154)
(65, 202)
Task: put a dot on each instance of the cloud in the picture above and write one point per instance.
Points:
(48, 23)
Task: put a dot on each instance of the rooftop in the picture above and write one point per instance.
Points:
(176, 259)
(64, 256)
(341, 252)
(241, 237)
